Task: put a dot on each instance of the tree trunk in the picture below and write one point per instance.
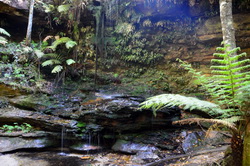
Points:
(30, 22)
(229, 42)
(226, 18)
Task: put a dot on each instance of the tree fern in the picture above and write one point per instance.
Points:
(230, 74)
(230, 77)
(224, 122)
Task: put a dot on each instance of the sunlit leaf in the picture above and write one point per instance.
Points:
(57, 69)
(70, 61)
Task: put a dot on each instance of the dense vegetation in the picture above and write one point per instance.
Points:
(119, 41)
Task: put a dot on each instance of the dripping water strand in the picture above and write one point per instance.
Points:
(62, 140)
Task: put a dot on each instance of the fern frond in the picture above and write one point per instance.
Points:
(63, 8)
(220, 55)
(222, 49)
(186, 103)
(70, 44)
(38, 53)
(58, 42)
(4, 32)
(57, 69)
(220, 67)
(226, 72)
(51, 62)
(240, 68)
(223, 122)
(3, 40)
(70, 61)
(219, 61)
(238, 63)
(237, 57)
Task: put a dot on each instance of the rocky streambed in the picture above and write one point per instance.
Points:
(105, 127)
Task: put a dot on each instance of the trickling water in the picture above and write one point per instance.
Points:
(89, 143)
(62, 140)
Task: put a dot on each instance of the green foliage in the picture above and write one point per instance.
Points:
(231, 74)
(81, 128)
(226, 87)
(4, 32)
(25, 127)
(132, 46)
(68, 43)
(57, 69)
(63, 8)
(186, 103)
(3, 40)
(59, 61)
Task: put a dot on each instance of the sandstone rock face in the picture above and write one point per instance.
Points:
(18, 4)
(130, 147)
(13, 143)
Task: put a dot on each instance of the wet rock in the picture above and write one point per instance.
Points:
(121, 113)
(85, 147)
(33, 134)
(36, 102)
(143, 156)
(41, 159)
(191, 140)
(132, 148)
(3, 103)
(13, 143)
(36, 119)
(198, 140)
(61, 105)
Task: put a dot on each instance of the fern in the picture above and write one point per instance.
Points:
(57, 69)
(70, 61)
(63, 8)
(230, 74)
(38, 53)
(4, 32)
(51, 62)
(224, 122)
(186, 103)
(3, 40)
(58, 42)
(225, 86)
(70, 44)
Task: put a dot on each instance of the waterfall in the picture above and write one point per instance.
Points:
(62, 140)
